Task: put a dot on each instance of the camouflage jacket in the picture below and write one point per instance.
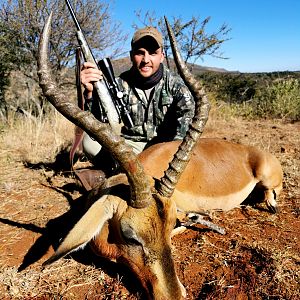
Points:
(162, 115)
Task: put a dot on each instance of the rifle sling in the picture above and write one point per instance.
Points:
(80, 98)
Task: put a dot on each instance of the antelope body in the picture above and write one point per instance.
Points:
(219, 176)
(130, 218)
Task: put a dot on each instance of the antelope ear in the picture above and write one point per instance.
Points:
(86, 228)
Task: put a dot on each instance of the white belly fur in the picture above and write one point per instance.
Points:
(197, 203)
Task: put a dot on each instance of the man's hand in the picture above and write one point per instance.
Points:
(89, 74)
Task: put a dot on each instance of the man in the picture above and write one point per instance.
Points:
(160, 105)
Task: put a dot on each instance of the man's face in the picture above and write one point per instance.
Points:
(146, 57)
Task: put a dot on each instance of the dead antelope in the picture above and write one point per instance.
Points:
(219, 176)
(131, 217)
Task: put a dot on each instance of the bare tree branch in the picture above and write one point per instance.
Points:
(192, 36)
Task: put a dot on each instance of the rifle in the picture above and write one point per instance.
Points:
(111, 104)
(117, 95)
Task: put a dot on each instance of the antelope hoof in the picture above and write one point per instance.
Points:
(270, 199)
(273, 208)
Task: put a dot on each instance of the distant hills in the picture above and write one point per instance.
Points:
(122, 64)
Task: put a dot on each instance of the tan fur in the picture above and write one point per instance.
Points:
(136, 228)
(220, 174)
(147, 253)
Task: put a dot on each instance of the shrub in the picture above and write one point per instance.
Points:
(280, 99)
(255, 96)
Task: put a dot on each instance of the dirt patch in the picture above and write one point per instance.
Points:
(258, 258)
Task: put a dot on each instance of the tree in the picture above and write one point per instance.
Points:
(10, 58)
(25, 19)
(191, 35)
(21, 23)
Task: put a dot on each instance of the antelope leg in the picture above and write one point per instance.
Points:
(195, 218)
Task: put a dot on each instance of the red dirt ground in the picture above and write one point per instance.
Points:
(258, 258)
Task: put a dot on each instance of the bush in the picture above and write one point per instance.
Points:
(281, 99)
(261, 95)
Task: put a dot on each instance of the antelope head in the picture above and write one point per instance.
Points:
(130, 218)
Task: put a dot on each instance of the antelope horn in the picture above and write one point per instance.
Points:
(165, 186)
(101, 132)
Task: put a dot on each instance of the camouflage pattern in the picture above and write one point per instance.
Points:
(162, 115)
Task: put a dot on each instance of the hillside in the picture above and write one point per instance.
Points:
(122, 64)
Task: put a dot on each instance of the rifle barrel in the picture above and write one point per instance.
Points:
(73, 15)
(105, 98)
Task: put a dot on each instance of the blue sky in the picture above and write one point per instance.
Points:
(265, 34)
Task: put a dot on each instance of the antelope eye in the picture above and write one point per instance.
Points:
(130, 236)
(130, 239)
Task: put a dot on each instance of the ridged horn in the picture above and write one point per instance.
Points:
(166, 185)
(101, 132)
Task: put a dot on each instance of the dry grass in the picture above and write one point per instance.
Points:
(60, 280)
(37, 139)
(31, 195)
(257, 259)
